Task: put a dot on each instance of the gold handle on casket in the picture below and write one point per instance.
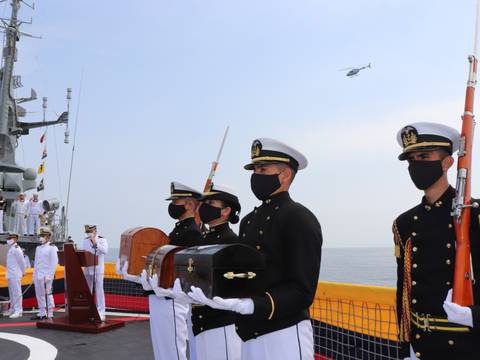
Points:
(231, 275)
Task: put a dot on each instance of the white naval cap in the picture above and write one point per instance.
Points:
(181, 191)
(218, 188)
(44, 230)
(270, 151)
(227, 195)
(426, 136)
(89, 227)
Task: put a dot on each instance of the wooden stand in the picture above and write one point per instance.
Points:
(81, 311)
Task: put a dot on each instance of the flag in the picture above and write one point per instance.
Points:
(41, 168)
(44, 155)
(43, 138)
(40, 186)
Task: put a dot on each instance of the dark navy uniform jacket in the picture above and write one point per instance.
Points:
(203, 317)
(425, 250)
(186, 233)
(289, 236)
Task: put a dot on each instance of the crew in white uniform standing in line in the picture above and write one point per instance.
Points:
(34, 210)
(98, 246)
(15, 270)
(46, 261)
(20, 215)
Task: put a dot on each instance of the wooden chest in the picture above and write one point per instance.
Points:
(228, 271)
(160, 262)
(136, 243)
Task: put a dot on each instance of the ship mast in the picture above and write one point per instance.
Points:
(7, 71)
(14, 178)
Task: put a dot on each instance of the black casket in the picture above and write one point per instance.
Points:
(228, 271)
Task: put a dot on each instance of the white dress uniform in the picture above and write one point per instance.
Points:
(168, 317)
(98, 271)
(15, 270)
(20, 222)
(34, 210)
(167, 314)
(46, 261)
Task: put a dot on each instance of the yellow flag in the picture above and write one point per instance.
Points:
(41, 168)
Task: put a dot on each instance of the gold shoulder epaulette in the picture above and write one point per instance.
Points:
(399, 246)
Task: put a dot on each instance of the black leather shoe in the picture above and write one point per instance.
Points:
(36, 317)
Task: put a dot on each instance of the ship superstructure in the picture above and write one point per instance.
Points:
(15, 179)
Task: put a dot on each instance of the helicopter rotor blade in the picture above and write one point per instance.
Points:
(346, 69)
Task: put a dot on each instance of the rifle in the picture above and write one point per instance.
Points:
(213, 169)
(462, 204)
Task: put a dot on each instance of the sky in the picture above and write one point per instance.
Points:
(162, 80)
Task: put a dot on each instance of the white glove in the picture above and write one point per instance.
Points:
(144, 280)
(127, 276)
(457, 314)
(118, 270)
(198, 297)
(160, 292)
(241, 306)
(179, 295)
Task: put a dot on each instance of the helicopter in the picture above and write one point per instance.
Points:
(354, 71)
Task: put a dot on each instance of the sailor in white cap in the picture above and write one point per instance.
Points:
(15, 271)
(168, 314)
(97, 245)
(214, 330)
(33, 211)
(46, 261)
(19, 209)
(276, 325)
(425, 242)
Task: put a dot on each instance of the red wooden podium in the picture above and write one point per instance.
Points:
(81, 311)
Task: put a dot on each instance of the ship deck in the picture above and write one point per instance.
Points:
(20, 339)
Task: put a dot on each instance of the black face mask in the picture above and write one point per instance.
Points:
(209, 213)
(425, 173)
(264, 185)
(175, 211)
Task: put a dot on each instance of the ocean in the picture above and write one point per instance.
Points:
(367, 266)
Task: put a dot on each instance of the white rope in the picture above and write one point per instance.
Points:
(73, 146)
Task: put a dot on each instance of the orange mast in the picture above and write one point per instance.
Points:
(462, 204)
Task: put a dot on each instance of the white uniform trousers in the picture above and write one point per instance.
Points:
(40, 294)
(99, 293)
(192, 351)
(33, 224)
(1, 222)
(20, 224)
(168, 328)
(292, 343)
(15, 295)
(221, 343)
